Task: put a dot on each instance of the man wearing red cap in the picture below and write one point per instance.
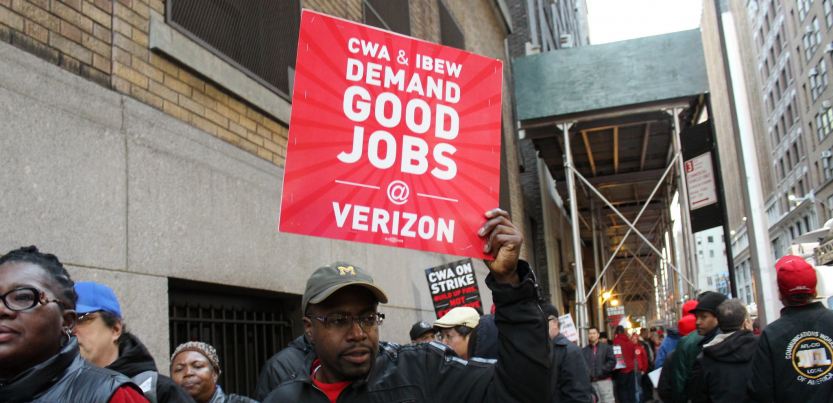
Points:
(794, 358)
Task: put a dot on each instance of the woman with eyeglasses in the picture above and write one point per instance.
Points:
(196, 367)
(40, 357)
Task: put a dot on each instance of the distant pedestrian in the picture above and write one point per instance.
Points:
(725, 365)
(626, 377)
(422, 331)
(455, 327)
(603, 338)
(39, 358)
(793, 361)
(690, 346)
(683, 328)
(104, 341)
(651, 353)
(600, 362)
(196, 367)
(571, 373)
(640, 354)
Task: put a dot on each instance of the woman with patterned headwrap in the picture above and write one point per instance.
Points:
(196, 367)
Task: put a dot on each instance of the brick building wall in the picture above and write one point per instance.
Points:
(107, 41)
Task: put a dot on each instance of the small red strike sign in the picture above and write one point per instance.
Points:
(392, 140)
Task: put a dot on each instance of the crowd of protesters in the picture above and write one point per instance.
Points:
(62, 341)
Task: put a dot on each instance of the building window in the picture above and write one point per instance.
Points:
(450, 32)
(246, 326)
(711, 253)
(259, 37)
(812, 39)
(818, 79)
(790, 116)
(823, 124)
(803, 7)
(828, 13)
(711, 239)
(393, 15)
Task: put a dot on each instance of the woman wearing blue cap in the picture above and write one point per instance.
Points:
(105, 342)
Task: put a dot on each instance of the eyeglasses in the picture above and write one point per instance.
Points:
(447, 337)
(22, 299)
(341, 323)
(86, 318)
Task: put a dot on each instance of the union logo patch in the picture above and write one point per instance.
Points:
(811, 355)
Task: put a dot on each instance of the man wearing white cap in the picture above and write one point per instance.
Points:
(455, 328)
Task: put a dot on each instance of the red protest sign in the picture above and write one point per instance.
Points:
(392, 140)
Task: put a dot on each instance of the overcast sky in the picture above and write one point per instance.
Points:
(618, 20)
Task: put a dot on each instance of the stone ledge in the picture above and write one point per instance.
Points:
(166, 40)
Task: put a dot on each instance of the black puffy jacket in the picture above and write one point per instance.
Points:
(64, 378)
(602, 363)
(135, 359)
(431, 372)
(221, 397)
(722, 370)
(794, 358)
(281, 366)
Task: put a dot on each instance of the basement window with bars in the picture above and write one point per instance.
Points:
(258, 37)
(450, 32)
(392, 15)
(246, 326)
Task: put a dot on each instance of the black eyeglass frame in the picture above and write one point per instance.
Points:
(39, 298)
(380, 317)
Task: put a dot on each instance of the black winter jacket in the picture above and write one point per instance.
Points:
(134, 358)
(285, 363)
(793, 361)
(64, 378)
(220, 397)
(281, 366)
(666, 379)
(602, 364)
(431, 372)
(722, 369)
(570, 374)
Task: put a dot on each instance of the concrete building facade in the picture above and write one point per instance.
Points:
(150, 160)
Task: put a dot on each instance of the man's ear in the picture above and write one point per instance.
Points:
(70, 317)
(308, 329)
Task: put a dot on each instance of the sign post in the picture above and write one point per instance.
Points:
(453, 285)
(392, 140)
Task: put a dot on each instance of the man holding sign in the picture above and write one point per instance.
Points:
(342, 321)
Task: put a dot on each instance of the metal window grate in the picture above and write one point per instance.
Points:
(393, 15)
(244, 339)
(259, 37)
(450, 32)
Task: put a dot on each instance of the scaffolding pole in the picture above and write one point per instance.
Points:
(682, 188)
(581, 299)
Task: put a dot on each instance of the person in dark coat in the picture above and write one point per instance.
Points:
(726, 362)
(281, 366)
(39, 357)
(665, 385)
(600, 363)
(571, 374)
(104, 341)
(793, 361)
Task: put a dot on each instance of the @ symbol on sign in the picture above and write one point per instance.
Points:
(398, 192)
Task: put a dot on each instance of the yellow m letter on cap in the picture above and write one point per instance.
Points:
(346, 270)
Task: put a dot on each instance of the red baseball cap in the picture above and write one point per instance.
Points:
(795, 276)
